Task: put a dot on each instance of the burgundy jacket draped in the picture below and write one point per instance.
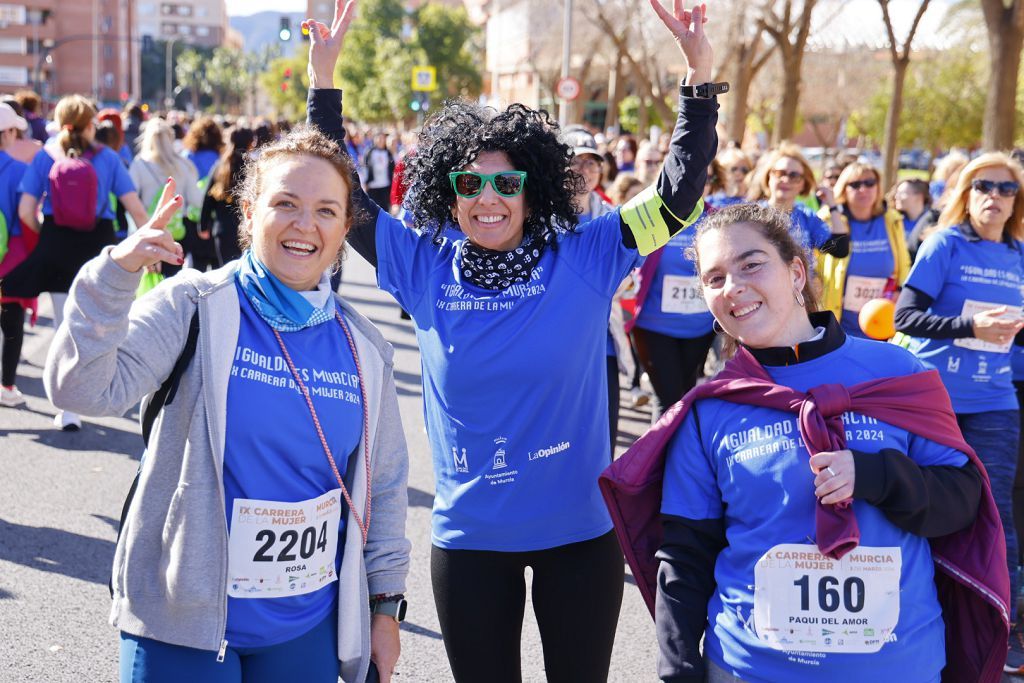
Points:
(972, 582)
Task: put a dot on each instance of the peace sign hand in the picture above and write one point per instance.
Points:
(687, 27)
(325, 43)
(152, 243)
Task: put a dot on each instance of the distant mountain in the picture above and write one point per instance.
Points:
(262, 29)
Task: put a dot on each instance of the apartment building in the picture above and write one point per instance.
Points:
(199, 22)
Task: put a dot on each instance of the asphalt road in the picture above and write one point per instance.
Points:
(61, 497)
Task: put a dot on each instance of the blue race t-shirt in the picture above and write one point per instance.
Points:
(965, 275)
(11, 173)
(272, 451)
(1017, 363)
(748, 465)
(721, 200)
(674, 305)
(514, 385)
(203, 160)
(111, 175)
(870, 266)
(806, 228)
(910, 223)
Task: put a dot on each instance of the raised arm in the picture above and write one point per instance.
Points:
(676, 196)
(323, 110)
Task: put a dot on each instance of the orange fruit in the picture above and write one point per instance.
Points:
(877, 319)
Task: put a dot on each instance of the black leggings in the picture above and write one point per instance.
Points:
(613, 400)
(671, 363)
(481, 597)
(12, 326)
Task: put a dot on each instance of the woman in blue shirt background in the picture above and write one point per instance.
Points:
(961, 305)
(61, 251)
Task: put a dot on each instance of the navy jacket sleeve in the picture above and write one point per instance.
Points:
(913, 318)
(837, 245)
(686, 581)
(323, 110)
(693, 146)
(928, 501)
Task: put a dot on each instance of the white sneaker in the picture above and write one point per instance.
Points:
(11, 397)
(638, 397)
(67, 421)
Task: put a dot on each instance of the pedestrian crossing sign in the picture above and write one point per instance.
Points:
(424, 78)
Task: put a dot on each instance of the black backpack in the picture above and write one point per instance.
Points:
(163, 397)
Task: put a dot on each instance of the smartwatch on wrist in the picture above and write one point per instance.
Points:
(393, 606)
(704, 91)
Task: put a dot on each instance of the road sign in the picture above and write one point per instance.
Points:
(568, 88)
(424, 78)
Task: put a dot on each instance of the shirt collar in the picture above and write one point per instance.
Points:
(828, 339)
(971, 235)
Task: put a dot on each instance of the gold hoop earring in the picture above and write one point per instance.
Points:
(799, 297)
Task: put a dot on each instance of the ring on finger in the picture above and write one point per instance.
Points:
(831, 471)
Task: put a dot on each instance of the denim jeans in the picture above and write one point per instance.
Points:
(994, 436)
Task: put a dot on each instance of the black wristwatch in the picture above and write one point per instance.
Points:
(393, 606)
(833, 209)
(704, 91)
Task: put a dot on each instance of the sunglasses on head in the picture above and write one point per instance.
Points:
(506, 183)
(857, 184)
(1006, 188)
(781, 173)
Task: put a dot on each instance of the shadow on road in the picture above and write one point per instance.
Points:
(6, 595)
(57, 551)
(420, 631)
(90, 437)
(420, 499)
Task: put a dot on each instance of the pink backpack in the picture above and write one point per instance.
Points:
(73, 189)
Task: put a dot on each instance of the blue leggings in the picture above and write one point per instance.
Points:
(994, 437)
(311, 658)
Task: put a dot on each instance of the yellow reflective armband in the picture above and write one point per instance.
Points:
(642, 214)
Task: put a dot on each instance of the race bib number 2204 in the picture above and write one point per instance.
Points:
(278, 549)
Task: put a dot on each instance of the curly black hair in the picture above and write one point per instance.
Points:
(455, 136)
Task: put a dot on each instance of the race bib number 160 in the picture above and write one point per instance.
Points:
(278, 549)
(806, 601)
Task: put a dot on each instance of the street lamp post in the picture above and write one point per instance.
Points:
(169, 68)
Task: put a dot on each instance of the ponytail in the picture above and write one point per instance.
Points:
(74, 114)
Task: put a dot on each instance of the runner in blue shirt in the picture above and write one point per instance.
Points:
(962, 307)
(740, 496)
(878, 262)
(13, 247)
(784, 176)
(512, 326)
(62, 250)
(735, 166)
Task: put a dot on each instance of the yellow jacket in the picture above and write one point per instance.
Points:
(832, 270)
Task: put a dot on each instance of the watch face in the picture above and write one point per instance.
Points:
(402, 607)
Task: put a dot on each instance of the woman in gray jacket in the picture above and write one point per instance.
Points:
(269, 520)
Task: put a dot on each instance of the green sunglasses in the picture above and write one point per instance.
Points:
(506, 183)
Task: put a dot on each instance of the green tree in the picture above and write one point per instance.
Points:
(944, 103)
(227, 77)
(190, 71)
(446, 37)
(285, 81)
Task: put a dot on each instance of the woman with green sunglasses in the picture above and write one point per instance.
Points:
(512, 327)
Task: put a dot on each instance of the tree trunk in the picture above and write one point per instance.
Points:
(611, 117)
(642, 119)
(785, 126)
(890, 166)
(1005, 37)
(739, 98)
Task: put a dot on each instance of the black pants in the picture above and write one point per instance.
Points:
(481, 597)
(12, 326)
(671, 363)
(613, 400)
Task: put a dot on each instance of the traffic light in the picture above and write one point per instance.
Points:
(285, 33)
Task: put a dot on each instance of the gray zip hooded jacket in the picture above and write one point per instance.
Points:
(171, 563)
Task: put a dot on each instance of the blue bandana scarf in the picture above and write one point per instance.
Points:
(279, 305)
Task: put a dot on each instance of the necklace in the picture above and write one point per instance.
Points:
(364, 526)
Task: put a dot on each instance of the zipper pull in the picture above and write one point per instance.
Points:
(221, 651)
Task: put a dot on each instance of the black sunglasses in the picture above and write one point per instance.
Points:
(1006, 188)
(857, 184)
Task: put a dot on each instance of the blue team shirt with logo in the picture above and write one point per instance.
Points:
(674, 262)
(11, 173)
(870, 256)
(272, 450)
(749, 466)
(111, 175)
(951, 268)
(514, 385)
